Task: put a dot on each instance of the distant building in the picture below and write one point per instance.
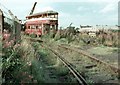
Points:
(88, 29)
(97, 28)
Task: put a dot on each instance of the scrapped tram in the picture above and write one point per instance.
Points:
(41, 23)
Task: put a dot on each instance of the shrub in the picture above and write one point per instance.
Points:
(16, 58)
(62, 71)
(57, 36)
(33, 35)
(11, 61)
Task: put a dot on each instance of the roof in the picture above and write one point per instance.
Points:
(46, 12)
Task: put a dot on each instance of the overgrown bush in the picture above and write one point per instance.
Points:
(10, 61)
(33, 35)
(17, 62)
(57, 36)
(62, 71)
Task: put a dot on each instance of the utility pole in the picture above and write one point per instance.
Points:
(1, 30)
(33, 8)
(1, 21)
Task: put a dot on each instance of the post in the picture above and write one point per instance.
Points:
(1, 21)
(18, 32)
(42, 29)
(1, 30)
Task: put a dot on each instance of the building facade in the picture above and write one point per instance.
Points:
(42, 22)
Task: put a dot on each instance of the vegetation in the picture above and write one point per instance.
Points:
(72, 35)
(7, 27)
(26, 62)
(33, 35)
(11, 61)
(16, 63)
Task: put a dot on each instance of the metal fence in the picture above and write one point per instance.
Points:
(8, 25)
(11, 26)
(1, 21)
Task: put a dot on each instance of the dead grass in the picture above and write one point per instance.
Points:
(103, 50)
(27, 50)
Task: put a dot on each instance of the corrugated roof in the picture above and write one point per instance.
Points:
(46, 12)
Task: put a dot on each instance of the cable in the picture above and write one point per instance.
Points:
(5, 10)
(4, 6)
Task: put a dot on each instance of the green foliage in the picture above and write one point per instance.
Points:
(17, 62)
(33, 35)
(35, 45)
(11, 61)
(63, 40)
(38, 71)
(62, 71)
(7, 27)
(57, 36)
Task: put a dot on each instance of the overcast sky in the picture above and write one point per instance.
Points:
(79, 12)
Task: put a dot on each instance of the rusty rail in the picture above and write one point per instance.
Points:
(77, 75)
(115, 69)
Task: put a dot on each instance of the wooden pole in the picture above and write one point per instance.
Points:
(1, 21)
(1, 30)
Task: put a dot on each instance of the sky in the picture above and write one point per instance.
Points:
(78, 12)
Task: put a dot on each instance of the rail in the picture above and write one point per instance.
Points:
(115, 69)
(77, 75)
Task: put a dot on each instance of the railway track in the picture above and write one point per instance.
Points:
(102, 71)
(77, 75)
(81, 80)
(115, 69)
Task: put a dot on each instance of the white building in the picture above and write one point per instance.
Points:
(88, 29)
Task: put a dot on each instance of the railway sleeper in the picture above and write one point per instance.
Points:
(90, 66)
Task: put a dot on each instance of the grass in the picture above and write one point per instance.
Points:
(102, 50)
(62, 40)
(38, 71)
(11, 64)
(117, 50)
(61, 70)
(48, 63)
(46, 55)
